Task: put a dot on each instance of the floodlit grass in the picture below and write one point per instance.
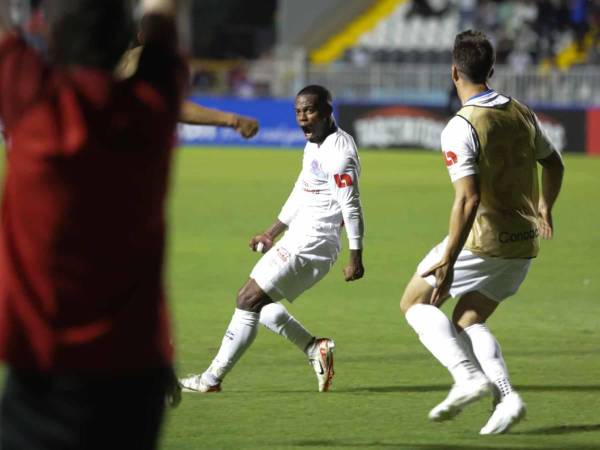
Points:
(385, 381)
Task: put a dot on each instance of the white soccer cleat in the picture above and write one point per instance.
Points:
(508, 412)
(460, 396)
(200, 383)
(320, 357)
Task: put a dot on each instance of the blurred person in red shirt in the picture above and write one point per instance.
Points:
(84, 328)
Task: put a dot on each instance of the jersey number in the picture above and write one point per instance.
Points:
(343, 180)
(451, 158)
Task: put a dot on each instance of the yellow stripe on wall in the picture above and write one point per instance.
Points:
(336, 45)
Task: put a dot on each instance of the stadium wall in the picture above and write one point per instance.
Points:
(380, 125)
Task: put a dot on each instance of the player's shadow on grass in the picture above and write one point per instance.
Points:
(558, 388)
(561, 429)
(445, 387)
(324, 443)
(387, 389)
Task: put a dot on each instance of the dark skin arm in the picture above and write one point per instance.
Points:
(194, 114)
(464, 209)
(355, 269)
(268, 236)
(552, 176)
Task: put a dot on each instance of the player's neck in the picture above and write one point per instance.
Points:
(331, 128)
(469, 90)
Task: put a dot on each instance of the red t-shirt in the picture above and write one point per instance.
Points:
(83, 212)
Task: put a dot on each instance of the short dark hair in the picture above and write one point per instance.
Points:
(92, 33)
(473, 56)
(323, 95)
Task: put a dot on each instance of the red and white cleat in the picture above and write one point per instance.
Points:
(320, 357)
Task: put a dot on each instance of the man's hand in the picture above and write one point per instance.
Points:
(545, 223)
(263, 238)
(444, 275)
(355, 269)
(247, 127)
(165, 7)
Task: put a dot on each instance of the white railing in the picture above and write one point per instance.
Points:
(430, 83)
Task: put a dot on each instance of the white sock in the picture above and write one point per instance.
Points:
(438, 335)
(465, 342)
(276, 318)
(239, 336)
(489, 355)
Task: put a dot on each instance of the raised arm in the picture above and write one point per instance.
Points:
(194, 114)
(167, 8)
(4, 18)
(159, 60)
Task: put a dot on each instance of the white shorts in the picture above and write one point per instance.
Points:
(294, 264)
(496, 278)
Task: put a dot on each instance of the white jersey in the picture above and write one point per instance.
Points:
(460, 143)
(326, 194)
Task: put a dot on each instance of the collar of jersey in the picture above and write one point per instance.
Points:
(487, 98)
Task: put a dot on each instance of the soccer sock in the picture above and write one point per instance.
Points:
(438, 335)
(276, 318)
(489, 355)
(239, 336)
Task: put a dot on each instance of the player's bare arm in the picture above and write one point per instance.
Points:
(552, 175)
(162, 7)
(159, 32)
(267, 237)
(464, 209)
(4, 19)
(194, 114)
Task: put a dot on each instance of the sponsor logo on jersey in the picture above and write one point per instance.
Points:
(307, 188)
(315, 168)
(283, 254)
(343, 180)
(506, 238)
(451, 158)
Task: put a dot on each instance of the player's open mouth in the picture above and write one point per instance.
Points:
(307, 131)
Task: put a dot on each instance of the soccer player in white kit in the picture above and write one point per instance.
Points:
(492, 147)
(325, 197)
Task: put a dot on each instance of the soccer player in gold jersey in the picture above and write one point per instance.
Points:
(492, 149)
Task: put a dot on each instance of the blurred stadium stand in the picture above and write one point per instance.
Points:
(396, 50)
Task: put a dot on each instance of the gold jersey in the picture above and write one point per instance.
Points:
(506, 221)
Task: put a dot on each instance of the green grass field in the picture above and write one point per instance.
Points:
(385, 381)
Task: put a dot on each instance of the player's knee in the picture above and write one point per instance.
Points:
(464, 318)
(417, 292)
(408, 300)
(248, 300)
(243, 300)
(406, 303)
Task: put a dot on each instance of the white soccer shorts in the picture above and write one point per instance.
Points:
(294, 264)
(496, 278)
